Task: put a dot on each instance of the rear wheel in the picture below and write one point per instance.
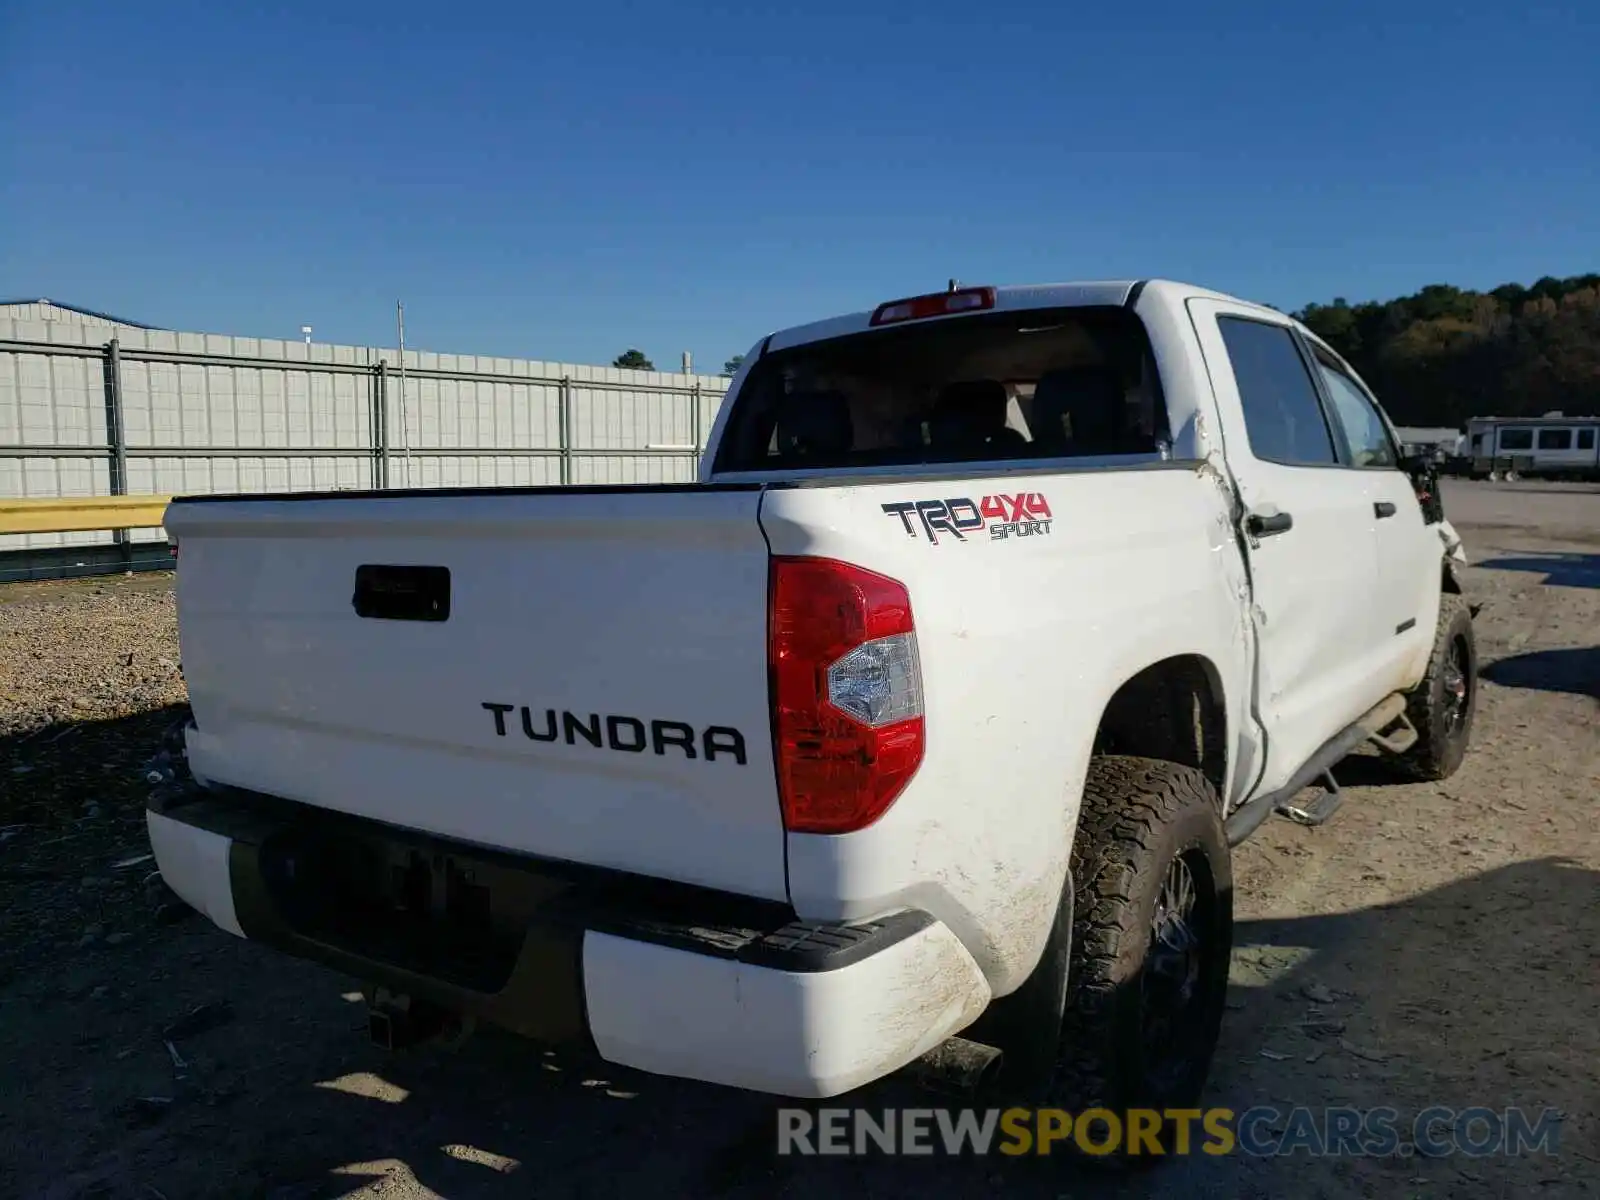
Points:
(1151, 934)
(1442, 706)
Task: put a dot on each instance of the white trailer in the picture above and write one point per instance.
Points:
(1555, 445)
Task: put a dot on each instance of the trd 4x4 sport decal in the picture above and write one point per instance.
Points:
(1023, 515)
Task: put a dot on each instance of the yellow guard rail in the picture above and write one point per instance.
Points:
(81, 514)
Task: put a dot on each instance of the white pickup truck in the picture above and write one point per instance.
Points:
(933, 708)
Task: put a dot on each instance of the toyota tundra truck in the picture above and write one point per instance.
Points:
(914, 734)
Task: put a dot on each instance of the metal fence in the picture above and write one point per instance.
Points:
(112, 410)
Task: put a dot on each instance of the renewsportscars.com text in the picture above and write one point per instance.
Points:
(1263, 1131)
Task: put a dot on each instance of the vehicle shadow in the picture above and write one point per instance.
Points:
(1575, 670)
(1479, 993)
(72, 831)
(1560, 569)
(47, 774)
(1368, 767)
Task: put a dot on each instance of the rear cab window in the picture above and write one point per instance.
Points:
(1010, 385)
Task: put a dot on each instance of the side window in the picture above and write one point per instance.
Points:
(1516, 439)
(1283, 417)
(1585, 439)
(1555, 439)
(1364, 431)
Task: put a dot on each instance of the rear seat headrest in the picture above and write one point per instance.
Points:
(1080, 410)
(979, 404)
(814, 423)
(970, 417)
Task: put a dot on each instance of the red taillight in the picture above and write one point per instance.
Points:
(847, 712)
(938, 304)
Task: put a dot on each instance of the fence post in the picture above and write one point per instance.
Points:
(117, 436)
(694, 426)
(565, 422)
(380, 425)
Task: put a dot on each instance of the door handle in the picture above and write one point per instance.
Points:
(1383, 509)
(1265, 526)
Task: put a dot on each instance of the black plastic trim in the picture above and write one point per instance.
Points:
(581, 898)
(1248, 817)
(814, 946)
(1405, 625)
(1134, 293)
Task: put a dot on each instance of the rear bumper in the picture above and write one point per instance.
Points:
(653, 976)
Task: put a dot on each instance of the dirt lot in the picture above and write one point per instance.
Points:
(1433, 945)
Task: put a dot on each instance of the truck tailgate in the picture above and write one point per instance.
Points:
(588, 681)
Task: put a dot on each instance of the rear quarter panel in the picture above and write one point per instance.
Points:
(1023, 640)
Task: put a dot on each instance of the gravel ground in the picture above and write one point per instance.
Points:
(89, 682)
(84, 652)
(1434, 944)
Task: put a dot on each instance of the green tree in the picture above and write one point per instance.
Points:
(731, 367)
(1445, 353)
(1335, 324)
(633, 360)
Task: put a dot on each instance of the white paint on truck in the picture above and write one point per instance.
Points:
(616, 692)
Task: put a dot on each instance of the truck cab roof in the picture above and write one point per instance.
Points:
(1086, 294)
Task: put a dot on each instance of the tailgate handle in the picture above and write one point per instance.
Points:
(388, 593)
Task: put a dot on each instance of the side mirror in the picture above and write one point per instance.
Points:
(1423, 471)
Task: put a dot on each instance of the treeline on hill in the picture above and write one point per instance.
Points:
(1444, 354)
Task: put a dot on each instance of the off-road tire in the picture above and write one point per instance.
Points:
(1441, 740)
(1138, 816)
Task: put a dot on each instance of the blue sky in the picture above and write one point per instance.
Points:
(564, 181)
